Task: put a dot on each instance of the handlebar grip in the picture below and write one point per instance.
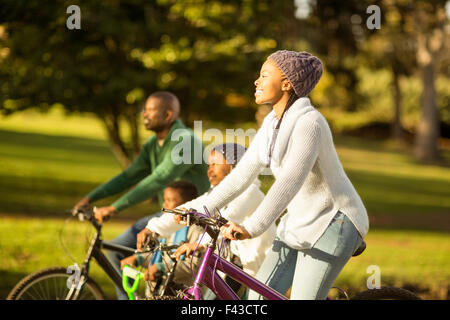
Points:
(237, 235)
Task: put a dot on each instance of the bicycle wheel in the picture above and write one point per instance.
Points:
(51, 284)
(386, 293)
(173, 291)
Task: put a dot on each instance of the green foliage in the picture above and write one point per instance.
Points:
(127, 49)
(206, 52)
(33, 244)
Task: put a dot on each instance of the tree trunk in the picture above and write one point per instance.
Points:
(132, 120)
(432, 42)
(112, 125)
(426, 148)
(397, 128)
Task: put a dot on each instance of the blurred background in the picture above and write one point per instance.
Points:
(72, 88)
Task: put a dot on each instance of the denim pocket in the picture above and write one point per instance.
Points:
(337, 224)
(349, 238)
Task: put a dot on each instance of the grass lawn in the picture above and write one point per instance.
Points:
(31, 244)
(46, 167)
(47, 163)
(416, 260)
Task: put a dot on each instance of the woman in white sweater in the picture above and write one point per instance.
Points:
(326, 219)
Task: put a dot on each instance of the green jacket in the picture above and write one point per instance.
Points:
(154, 169)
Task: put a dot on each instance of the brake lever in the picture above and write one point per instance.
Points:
(77, 213)
(188, 220)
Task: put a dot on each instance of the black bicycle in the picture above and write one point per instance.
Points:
(56, 283)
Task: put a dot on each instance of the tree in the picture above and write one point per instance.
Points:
(413, 37)
(329, 31)
(432, 44)
(207, 52)
(86, 70)
(392, 48)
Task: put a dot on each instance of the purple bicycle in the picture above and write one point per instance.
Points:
(211, 263)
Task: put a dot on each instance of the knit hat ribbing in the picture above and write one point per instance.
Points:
(232, 152)
(302, 69)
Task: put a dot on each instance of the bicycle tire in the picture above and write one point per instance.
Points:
(386, 293)
(58, 275)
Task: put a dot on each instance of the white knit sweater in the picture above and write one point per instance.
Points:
(237, 210)
(251, 251)
(309, 179)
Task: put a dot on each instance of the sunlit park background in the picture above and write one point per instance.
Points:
(70, 102)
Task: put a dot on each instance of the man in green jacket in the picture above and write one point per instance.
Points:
(160, 162)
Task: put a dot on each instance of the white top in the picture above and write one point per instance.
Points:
(251, 251)
(309, 179)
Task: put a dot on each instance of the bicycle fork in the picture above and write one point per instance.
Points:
(195, 291)
(78, 285)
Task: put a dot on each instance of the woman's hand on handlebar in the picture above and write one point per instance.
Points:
(231, 229)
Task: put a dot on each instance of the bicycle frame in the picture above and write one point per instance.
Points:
(95, 251)
(211, 262)
(208, 275)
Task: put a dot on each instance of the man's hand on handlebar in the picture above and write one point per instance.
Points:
(104, 213)
(230, 229)
(84, 203)
(144, 237)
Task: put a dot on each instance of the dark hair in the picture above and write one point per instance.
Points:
(187, 189)
(168, 98)
(232, 152)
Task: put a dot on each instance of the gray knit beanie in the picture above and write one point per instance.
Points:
(302, 69)
(232, 152)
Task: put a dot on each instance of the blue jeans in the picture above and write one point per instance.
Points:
(127, 239)
(310, 272)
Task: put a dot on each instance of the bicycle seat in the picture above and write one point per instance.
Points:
(360, 249)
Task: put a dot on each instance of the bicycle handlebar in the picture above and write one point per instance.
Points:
(202, 219)
(86, 214)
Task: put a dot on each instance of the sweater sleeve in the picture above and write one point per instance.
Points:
(239, 179)
(166, 172)
(297, 164)
(164, 225)
(244, 205)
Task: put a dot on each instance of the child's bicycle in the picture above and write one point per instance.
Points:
(58, 283)
(211, 263)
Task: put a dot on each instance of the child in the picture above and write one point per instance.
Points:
(251, 252)
(221, 161)
(175, 194)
